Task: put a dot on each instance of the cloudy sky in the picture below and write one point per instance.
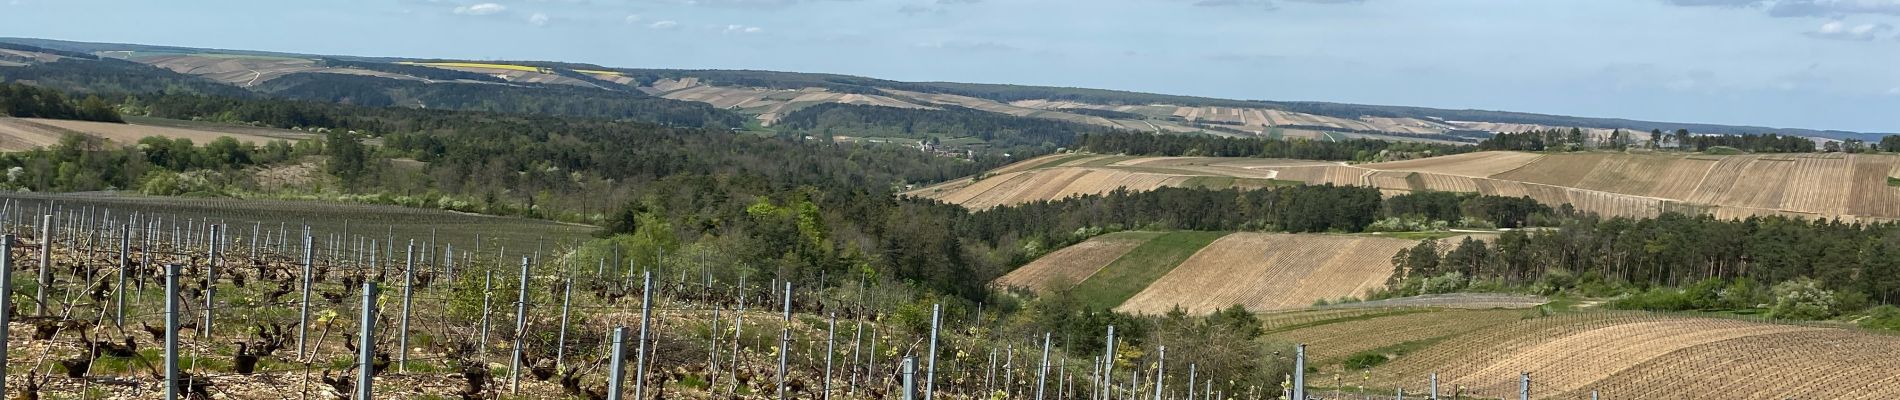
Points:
(1829, 64)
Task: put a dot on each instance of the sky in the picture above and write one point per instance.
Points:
(1818, 64)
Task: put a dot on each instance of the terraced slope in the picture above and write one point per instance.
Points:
(1846, 186)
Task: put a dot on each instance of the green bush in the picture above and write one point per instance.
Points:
(1804, 299)
(1365, 360)
(1450, 282)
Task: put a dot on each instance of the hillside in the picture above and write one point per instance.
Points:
(1151, 272)
(1847, 186)
(766, 96)
(19, 134)
(1479, 353)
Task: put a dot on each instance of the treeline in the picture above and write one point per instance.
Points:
(1213, 146)
(25, 101)
(1575, 139)
(121, 81)
(1003, 132)
(1767, 143)
(1850, 264)
(153, 165)
(1466, 209)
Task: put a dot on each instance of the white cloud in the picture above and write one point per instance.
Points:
(480, 9)
(664, 25)
(742, 29)
(1810, 8)
(633, 18)
(1839, 30)
(538, 19)
(1895, 91)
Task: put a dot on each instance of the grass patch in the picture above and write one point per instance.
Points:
(1724, 151)
(1058, 161)
(1366, 360)
(1375, 357)
(1133, 272)
(1892, 181)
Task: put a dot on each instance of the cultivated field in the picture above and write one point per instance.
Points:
(1266, 271)
(1062, 176)
(18, 134)
(1622, 355)
(1151, 273)
(1846, 186)
(1071, 265)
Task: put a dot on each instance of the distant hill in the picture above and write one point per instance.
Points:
(1814, 185)
(766, 96)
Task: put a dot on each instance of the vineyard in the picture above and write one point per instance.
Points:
(130, 303)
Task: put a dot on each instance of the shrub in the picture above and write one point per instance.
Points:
(1365, 360)
(1804, 299)
(1448, 283)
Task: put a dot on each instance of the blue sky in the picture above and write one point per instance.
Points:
(1827, 64)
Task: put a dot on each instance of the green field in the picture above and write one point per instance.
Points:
(447, 227)
(1892, 181)
(1133, 272)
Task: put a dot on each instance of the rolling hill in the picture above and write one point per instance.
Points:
(765, 96)
(1845, 186)
(1201, 272)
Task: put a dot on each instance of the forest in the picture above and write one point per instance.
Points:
(111, 78)
(1736, 264)
(26, 101)
(547, 100)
